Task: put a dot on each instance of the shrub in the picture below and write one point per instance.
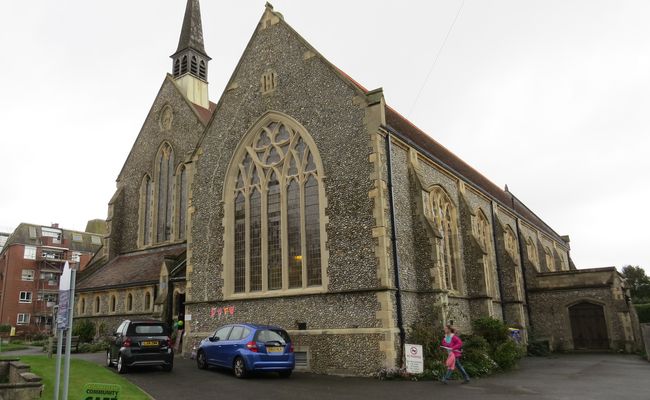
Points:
(84, 348)
(4, 328)
(493, 330)
(643, 311)
(85, 330)
(538, 348)
(476, 356)
(507, 355)
(425, 334)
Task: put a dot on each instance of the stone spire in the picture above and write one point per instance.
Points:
(192, 31)
(190, 62)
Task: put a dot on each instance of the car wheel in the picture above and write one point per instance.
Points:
(109, 361)
(201, 361)
(121, 368)
(285, 374)
(168, 367)
(239, 367)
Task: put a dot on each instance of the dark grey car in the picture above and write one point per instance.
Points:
(140, 343)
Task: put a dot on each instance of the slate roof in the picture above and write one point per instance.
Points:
(131, 269)
(440, 154)
(205, 114)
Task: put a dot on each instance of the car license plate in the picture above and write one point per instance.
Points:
(149, 343)
(275, 349)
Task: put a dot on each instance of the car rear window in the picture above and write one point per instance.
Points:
(147, 329)
(272, 335)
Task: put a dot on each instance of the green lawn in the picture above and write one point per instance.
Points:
(12, 347)
(81, 372)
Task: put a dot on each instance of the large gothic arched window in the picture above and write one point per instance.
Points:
(512, 248)
(181, 201)
(164, 192)
(483, 233)
(274, 197)
(445, 220)
(146, 191)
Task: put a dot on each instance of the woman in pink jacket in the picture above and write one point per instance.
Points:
(453, 344)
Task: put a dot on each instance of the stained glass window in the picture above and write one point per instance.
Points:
(444, 218)
(276, 210)
(164, 187)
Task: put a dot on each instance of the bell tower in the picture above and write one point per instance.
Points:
(190, 61)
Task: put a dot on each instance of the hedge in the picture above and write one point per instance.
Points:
(643, 310)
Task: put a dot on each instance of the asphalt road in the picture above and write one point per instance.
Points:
(564, 377)
(575, 377)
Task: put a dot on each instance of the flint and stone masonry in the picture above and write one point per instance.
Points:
(276, 205)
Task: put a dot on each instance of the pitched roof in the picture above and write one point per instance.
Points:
(205, 114)
(192, 30)
(439, 153)
(132, 268)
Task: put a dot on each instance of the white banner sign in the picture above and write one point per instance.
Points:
(414, 358)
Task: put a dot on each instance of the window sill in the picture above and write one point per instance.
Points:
(275, 293)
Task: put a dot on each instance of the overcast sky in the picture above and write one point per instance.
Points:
(549, 97)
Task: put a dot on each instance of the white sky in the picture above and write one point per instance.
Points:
(550, 97)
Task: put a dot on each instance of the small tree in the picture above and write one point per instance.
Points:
(639, 283)
(84, 329)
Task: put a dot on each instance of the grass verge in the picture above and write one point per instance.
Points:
(81, 372)
(12, 347)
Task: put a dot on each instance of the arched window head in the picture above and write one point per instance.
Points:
(202, 70)
(181, 201)
(184, 65)
(146, 209)
(129, 302)
(194, 66)
(177, 67)
(274, 203)
(164, 183)
(531, 251)
(483, 232)
(443, 214)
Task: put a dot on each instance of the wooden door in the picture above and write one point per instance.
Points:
(588, 326)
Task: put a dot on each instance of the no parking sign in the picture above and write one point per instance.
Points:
(414, 358)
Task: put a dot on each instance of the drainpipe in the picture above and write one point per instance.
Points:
(393, 237)
(498, 259)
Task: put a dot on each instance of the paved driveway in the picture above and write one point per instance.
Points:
(570, 377)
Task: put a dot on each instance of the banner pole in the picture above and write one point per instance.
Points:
(68, 343)
(57, 373)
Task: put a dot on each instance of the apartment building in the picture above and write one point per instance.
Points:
(31, 262)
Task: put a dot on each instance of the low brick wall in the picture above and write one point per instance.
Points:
(18, 382)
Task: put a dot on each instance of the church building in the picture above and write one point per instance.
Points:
(301, 199)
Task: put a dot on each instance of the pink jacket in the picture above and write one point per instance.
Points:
(456, 345)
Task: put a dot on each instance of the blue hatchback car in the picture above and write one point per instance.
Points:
(247, 348)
